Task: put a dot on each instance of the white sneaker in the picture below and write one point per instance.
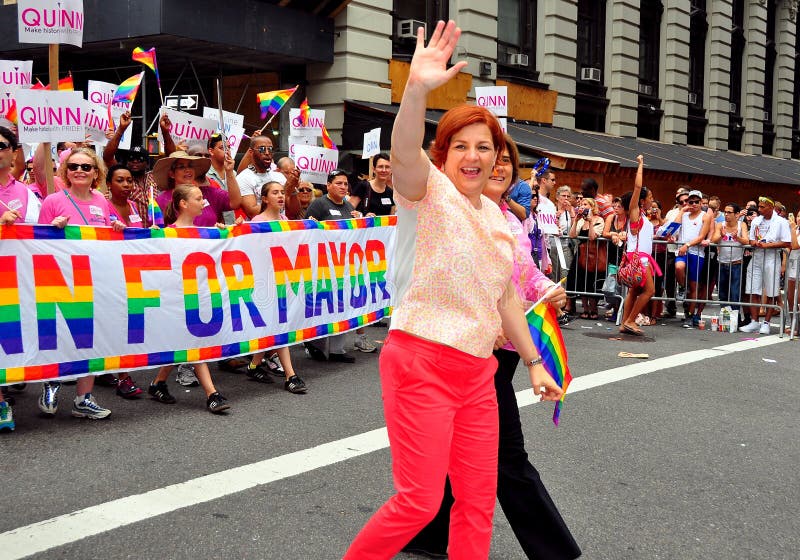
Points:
(364, 345)
(764, 328)
(186, 376)
(752, 326)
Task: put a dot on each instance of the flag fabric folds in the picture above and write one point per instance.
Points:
(126, 93)
(271, 102)
(326, 139)
(549, 342)
(305, 112)
(148, 58)
(154, 210)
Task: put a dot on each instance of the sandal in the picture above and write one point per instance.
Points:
(630, 330)
(594, 316)
(584, 315)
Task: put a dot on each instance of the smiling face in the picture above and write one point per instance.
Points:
(120, 184)
(383, 169)
(80, 177)
(470, 159)
(182, 172)
(500, 180)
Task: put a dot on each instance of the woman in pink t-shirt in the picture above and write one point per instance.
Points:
(453, 292)
(272, 208)
(78, 204)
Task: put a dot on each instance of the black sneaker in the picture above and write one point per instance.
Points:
(259, 373)
(564, 320)
(216, 403)
(106, 380)
(343, 358)
(160, 392)
(315, 353)
(295, 385)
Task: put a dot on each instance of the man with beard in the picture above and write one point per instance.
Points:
(136, 162)
(258, 173)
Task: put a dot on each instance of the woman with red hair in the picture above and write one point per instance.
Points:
(454, 297)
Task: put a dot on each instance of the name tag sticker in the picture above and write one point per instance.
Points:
(206, 203)
(386, 201)
(14, 204)
(95, 211)
(335, 212)
(135, 218)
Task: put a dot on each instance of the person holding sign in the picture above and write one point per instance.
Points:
(80, 203)
(437, 365)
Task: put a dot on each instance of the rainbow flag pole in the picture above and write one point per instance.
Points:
(549, 342)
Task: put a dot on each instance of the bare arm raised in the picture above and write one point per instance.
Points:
(410, 165)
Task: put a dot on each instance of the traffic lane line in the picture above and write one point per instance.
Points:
(57, 531)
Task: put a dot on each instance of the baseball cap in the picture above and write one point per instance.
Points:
(695, 194)
(336, 173)
(138, 152)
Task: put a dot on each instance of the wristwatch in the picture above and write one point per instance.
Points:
(534, 362)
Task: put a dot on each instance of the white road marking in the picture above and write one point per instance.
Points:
(57, 531)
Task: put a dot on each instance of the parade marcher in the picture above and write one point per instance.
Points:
(186, 205)
(440, 405)
(537, 524)
(374, 197)
(260, 172)
(768, 233)
(79, 203)
(335, 206)
(272, 201)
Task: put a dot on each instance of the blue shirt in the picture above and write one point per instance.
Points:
(521, 194)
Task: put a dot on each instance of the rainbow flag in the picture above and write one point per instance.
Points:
(126, 93)
(11, 114)
(305, 112)
(271, 102)
(546, 334)
(326, 139)
(154, 210)
(148, 58)
(64, 84)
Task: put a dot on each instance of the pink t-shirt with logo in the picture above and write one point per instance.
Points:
(93, 212)
(18, 197)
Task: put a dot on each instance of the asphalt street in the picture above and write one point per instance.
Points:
(685, 455)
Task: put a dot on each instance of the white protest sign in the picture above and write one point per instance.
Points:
(102, 93)
(50, 116)
(234, 136)
(300, 141)
(96, 120)
(503, 123)
(546, 216)
(316, 120)
(494, 98)
(229, 119)
(50, 21)
(188, 129)
(372, 143)
(315, 163)
(15, 74)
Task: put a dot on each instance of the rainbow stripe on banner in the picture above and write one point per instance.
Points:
(10, 324)
(271, 102)
(549, 342)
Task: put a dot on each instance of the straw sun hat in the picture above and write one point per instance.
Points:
(162, 166)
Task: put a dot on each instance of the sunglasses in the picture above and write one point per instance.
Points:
(136, 158)
(265, 149)
(82, 166)
(728, 212)
(4, 146)
(692, 202)
(303, 190)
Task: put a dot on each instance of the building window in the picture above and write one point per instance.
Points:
(650, 112)
(696, 123)
(516, 40)
(768, 134)
(428, 12)
(736, 128)
(590, 93)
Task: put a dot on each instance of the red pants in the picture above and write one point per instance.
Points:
(441, 415)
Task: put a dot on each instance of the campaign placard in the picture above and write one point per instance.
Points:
(372, 143)
(316, 120)
(229, 119)
(50, 116)
(315, 163)
(50, 21)
(494, 98)
(188, 129)
(15, 74)
(300, 141)
(102, 93)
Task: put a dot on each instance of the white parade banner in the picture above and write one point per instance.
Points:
(188, 129)
(494, 98)
(15, 74)
(50, 116)
(83, 300)
(50, 21)
(316, 120)
(372, 143)
(315, 163)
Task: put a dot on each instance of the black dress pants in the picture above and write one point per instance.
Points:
(527, 505)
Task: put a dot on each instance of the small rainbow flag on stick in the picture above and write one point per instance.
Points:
(148, 58)
(64, 84)
(546, 334)
(271, 102)
(326, 139)
(154, 210)
(305, 112)
(126, 93)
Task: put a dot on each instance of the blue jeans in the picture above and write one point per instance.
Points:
(730, 278)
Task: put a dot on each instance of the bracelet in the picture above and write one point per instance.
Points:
(534, 362)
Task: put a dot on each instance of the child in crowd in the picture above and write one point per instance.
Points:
(186, 204)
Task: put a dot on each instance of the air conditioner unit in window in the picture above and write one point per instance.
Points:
(517, 59)
(590, 74)
(692, 98)
(407, 28)
(732, 108)
(645, 89)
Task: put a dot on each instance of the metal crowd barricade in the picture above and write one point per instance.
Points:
(707, 279)
(593, 277)
(792, 276)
